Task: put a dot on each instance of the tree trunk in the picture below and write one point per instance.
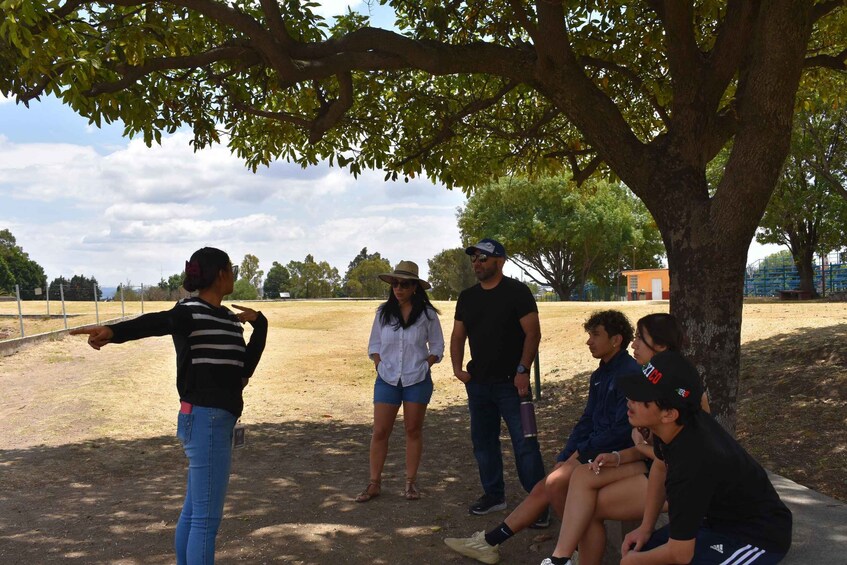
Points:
(706, 295)
(804, 261)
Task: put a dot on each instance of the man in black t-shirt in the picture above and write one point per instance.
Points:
(500, 319)
(721, 505)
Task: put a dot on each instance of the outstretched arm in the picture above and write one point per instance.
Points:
(98, 336)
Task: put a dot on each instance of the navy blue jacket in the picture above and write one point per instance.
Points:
(603, 426)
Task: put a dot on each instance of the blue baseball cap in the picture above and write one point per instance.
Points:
(490, 247)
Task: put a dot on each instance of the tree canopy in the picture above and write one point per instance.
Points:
(250, 271)
(561, 235)
(468, 91)
(808, 210)
(16, 268)
(78, 288)
(313, 279)
(361, 277)
(450, 272)
(277, 281)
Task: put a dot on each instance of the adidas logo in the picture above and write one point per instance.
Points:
(718, 547)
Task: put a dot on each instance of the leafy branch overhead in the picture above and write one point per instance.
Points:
(461, 88)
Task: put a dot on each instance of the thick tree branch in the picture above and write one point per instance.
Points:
(823, 9)
(552, 42)
(582, 175)
(275, 23)
(637, 82)
(132, 74)
(331, 113)
(730, 49)
(836, 62)
(429, 56)
(446, 132)
(523, 19)
(684, 58)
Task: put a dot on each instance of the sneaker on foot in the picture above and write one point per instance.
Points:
(548, 561)
(487, 503)
(543, 520)
(475, 547)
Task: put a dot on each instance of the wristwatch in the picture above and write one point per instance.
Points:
(522, 369)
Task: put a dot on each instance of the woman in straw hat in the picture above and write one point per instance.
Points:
(406, 340)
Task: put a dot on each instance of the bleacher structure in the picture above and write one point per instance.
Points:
(767, 277)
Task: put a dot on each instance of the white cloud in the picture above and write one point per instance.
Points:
(330, 8)
(136, 213)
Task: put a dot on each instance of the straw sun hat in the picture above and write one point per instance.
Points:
(405, 270)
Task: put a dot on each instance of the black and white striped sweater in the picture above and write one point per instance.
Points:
(211, 354)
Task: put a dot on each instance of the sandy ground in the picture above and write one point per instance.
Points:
(90, 470)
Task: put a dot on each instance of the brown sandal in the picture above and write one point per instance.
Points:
(411, 492)
(371, 491)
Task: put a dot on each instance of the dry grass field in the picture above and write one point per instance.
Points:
(91, 471)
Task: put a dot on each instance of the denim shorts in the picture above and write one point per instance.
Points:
(389, 394)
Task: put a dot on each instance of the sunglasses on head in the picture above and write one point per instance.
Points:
(403, 284)
(481, 257)
(235, 271)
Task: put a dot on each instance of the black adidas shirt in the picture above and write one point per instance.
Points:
(711, 481)
(211, 355)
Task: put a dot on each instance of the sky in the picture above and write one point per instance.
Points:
(86, 201)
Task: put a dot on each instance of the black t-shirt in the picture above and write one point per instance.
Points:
(492, 321)
(713, 482)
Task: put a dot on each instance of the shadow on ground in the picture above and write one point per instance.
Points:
(289, 501)
(290, 497)
(792, 410)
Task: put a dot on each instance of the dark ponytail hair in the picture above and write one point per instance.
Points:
(390, 310)
(664, 329)
(203, 268)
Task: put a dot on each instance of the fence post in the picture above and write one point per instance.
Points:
(20, 312)
(537, 366)
(96, 306)
(142, 298)
(123, 314)
(47, 296)
(62, 296)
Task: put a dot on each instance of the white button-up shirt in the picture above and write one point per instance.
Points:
(403, 352)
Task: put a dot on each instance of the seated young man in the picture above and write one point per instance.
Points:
(721, 505)
(603, 427)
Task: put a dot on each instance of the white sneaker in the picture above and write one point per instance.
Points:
(475, 547)
(548, 561)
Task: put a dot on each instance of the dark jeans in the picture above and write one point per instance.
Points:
(487, 403)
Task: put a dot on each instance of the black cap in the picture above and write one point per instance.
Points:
(490, 247)
(668, 376)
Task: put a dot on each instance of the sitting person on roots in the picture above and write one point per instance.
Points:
(602, 427)
(614, 486)
(722, 507)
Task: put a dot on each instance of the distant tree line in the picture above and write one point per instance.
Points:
(16, 268)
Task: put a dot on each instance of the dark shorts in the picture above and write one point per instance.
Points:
(396, 395)
(715, 548)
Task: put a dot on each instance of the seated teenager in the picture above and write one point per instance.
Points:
(603, 427)
(614, 485)
(721, 505)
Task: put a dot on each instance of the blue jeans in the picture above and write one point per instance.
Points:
(487, 403)
(206, 436)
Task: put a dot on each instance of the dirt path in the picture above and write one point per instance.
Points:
(90, 471)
